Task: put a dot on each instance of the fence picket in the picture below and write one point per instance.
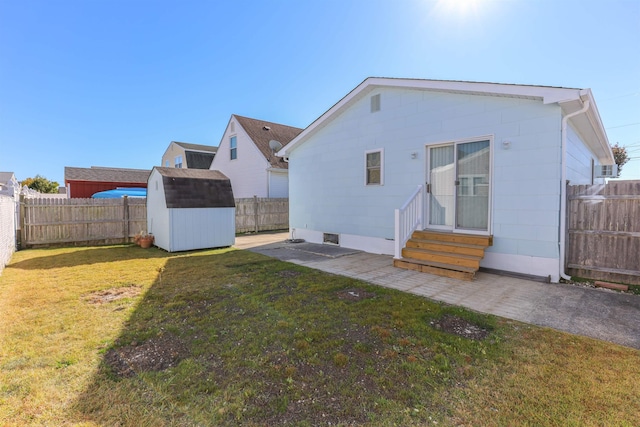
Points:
(604, 231)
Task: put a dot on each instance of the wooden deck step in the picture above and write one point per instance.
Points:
(445, 254)
(439, 269)
(470, 239)
(442, 257)
(450, 247)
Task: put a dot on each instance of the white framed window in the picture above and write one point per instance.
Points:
(178, 162)
(166, 163)
(233, 148)
(374, 167)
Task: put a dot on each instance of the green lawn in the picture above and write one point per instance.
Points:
(123, 336)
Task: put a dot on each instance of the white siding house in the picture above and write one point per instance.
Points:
(190, 209)
(486, 159)
(247, 156)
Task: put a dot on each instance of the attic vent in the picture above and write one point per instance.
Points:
(232, 127)
(330, 238)
(375, 103)
(266, 128)
(606, 171)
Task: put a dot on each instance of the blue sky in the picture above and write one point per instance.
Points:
(111, 83)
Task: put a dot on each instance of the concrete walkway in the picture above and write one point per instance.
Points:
(596, 313)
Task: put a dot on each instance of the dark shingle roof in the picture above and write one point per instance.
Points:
(261, 132)
(197, 147)
(198, 160)
(196, 188)
(100, 174)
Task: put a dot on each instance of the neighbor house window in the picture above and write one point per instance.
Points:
(233, 148)
(178, 162)
(373, 167)
(166, 163)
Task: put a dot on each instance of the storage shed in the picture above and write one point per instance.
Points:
(190, 209)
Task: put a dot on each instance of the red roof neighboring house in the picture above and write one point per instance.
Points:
(85, 182)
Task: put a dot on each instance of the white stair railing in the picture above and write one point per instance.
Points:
(407, 219)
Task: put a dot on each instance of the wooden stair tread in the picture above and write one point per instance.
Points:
(445, 243)
(449, 254)
(439, 265)
(453, 237)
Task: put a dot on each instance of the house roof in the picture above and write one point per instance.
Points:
(196, 147)
(198, 160)
(101, 174)
(569, 99)
(6, 177)
(261, 132)
(196, 188)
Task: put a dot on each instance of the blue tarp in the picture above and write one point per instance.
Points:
(121, 192)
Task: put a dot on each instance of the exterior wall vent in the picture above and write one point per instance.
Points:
(606, 171)
(375, 103)
(232, 127)
(330, 238)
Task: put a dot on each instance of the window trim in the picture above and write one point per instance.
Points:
(233, 148)
(176, 163)
(366, 167)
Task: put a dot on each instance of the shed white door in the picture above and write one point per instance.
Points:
(458, 186)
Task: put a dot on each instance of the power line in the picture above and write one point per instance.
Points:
(622, 126)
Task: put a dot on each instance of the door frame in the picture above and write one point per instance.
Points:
(426, 198)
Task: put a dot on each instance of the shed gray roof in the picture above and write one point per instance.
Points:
(100, 174)
(261, 132)
(196, 188)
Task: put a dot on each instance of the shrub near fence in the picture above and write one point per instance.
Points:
(56, 222)
(7, 229)
(604, 231)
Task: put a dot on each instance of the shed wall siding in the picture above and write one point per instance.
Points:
(157, 212)
(200, 228)
(327, 191)
(248, 172)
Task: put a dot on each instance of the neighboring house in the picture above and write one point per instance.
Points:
(467, 160)
(85, 182)
(246, 154)
(9, 185)
(190, 209)
(183, 155)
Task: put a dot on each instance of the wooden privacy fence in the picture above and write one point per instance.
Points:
(261, 214)
(604, 231)
(48, 222)
(80, 221)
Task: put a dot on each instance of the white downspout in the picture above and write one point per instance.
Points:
(563, 188)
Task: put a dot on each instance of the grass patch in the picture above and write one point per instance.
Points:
(125, 336)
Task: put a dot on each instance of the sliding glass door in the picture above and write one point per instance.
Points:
(458, 186)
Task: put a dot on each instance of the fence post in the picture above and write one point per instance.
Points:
(23, 231)
(255, 212)
(125, 213)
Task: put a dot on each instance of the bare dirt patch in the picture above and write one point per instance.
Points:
(288, 273)
(355, 294)
(113, 294)
(155, 354)
(461, 327)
